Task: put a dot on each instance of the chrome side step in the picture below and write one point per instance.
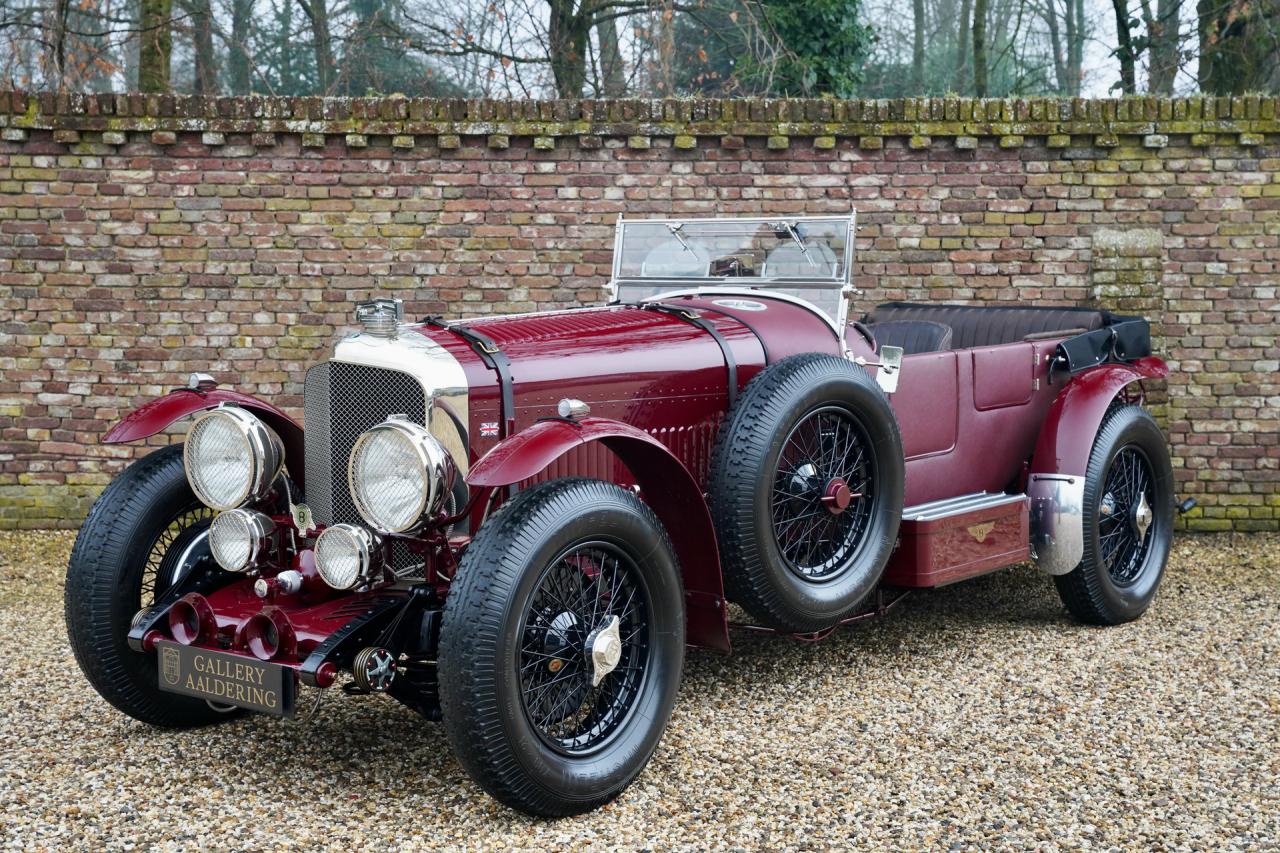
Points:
(960, 505)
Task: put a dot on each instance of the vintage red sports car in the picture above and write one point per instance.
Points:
(515, 524)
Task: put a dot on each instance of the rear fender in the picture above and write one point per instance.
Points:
(666, 486)
(1056, 482)
(157, 414)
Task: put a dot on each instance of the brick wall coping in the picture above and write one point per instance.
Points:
(1065, 121)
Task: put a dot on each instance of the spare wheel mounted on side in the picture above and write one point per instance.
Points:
(806, 490)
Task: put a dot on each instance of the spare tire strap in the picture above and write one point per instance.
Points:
(693, 319)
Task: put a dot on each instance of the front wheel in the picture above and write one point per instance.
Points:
(144, 533)
(561, 647)
(1128, 521)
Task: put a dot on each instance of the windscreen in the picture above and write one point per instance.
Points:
(808, 249)
(804, 257)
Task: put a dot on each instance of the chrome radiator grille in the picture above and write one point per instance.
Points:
(340, 402)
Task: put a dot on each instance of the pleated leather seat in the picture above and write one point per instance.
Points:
(979, 326)
(912, 335)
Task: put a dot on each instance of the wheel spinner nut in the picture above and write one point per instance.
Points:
(606, 651)
(1142, 516)
(837, 496)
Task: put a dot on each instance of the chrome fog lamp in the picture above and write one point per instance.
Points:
(346, 555)
(231, 457)
(239, 538)
(399, 474)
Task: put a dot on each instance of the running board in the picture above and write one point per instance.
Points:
(948, 540)
(935, 510)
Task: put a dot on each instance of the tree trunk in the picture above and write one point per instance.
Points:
(614, 81)
(980, 48)
(1162, 45)
(157, 45)
(322, 42)
(666, 49)
(323, 45)
(917, 48)
(284, 49)
(1124, 46)
(1075, 45)
(206, 79)
(944, 41)
(238, 67)
(1061, 74)
(960, 79)
(567, 34)
(55, 55)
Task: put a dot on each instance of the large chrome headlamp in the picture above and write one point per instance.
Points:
(347, 555)
(399, 475)
(231, 458)
(240, 538)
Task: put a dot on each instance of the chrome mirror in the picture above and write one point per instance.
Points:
(890, 369)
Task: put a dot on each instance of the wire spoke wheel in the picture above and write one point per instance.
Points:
(1124, 516)
(561, 646)
(1127, 521)
(143, 533)
(823, 492)
(167, 559)
(574, 703)
(805, 489)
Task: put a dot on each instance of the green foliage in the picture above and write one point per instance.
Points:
(286, 62)
(775, 47)
(376, 60)
(1238, 47)
(824, 44)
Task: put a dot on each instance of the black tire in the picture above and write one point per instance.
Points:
(1117, 579)
(755, 464)
(123, 558)
(497, 631)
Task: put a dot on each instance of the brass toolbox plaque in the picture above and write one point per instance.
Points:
(226, 678)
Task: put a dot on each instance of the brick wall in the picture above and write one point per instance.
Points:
(143, 238)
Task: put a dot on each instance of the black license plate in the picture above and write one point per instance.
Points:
(226, 678)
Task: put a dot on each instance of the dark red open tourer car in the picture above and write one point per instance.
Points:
(515, 524)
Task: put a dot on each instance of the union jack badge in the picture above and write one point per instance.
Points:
(489, 429)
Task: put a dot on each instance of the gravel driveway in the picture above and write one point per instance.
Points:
(972, 717)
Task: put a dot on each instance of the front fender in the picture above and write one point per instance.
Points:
(157, 414)
(1055, 485)
(665, 485)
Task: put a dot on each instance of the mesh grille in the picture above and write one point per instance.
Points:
(342, 401)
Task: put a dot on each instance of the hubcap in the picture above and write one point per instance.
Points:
(823, 493)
